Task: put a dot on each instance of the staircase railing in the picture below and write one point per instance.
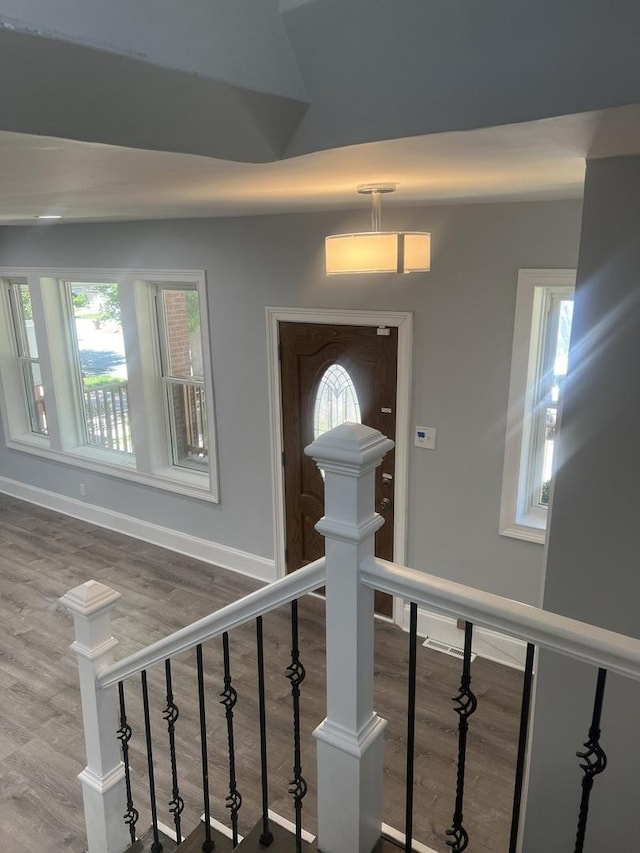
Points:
(348, 456)
(110, 813)
(232, 616)
(350, 739)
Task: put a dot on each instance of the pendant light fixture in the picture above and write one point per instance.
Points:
(377, 251)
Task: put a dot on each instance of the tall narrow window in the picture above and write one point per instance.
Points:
(544, 311)
(102, 366)
(336, 401)
(554, 358)
(182, 374)
(27, 352)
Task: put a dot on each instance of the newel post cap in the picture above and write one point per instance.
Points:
(349, 446)
(90, 598)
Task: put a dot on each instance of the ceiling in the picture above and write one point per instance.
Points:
(87, 182)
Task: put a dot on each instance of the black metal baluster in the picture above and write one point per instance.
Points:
(229, 698)
(124, 736)
(595, 760)
(156, 846)
(466, 704)
(267, 836)
(522, 746)
(208, 844)
(296, 674)
(411, 725)
(171, 714)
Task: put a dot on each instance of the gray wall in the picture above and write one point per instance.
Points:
(593, 552)
(463, 312)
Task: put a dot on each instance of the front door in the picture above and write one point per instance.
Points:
(331, 374)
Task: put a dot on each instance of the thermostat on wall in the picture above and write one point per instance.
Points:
(425, 437)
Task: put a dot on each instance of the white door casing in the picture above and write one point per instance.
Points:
(403, 320)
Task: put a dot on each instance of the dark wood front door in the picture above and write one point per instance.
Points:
(325, 369)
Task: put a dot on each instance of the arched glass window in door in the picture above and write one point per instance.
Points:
(336, 401)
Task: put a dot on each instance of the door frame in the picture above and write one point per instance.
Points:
(403, 321)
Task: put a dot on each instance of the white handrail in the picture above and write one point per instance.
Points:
(232, 616)
(569, 637)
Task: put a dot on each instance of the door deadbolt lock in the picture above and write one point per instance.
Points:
(385, 503)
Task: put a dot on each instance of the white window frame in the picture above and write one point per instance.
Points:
(165, 377)
(518, 517)
(152, 464)
(17, 343)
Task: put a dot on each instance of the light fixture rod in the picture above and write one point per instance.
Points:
(376, 211)
(376, 191)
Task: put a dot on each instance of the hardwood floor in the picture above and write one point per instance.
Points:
(43, 554)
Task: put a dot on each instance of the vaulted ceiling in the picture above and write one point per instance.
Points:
(141, 109)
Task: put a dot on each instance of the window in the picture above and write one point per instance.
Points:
(544, 311)
(336, 401)
(99, 356)
(26, 346)
(121, 360)
(182, 374)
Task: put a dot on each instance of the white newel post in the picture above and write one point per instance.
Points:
(350, 739)
(103, 785)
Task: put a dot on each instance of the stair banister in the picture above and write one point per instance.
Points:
(350, 739)
(103, 781)
(588, 643)
(233, 615)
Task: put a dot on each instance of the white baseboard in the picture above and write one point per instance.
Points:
(220, 827)
(487, 644)
(289, 826)
(242, 562)
(274, 817)
(399, 838)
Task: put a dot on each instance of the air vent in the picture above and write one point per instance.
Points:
(446, 649)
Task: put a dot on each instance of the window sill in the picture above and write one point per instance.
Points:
(530, 532)
(193, 484)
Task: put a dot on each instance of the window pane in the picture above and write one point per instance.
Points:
(27, 345)
(35, 397)
(183, 339)
(559, 361)
(27, 350)
(188, 418)
(336, 401)
(564, 336)
(103, 366)
(183, 375)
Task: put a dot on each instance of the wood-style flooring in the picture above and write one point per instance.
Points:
(43, 554)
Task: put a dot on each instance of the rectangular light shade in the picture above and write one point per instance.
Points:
(378, 252)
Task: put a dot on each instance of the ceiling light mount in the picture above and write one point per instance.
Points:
(377, 251)
(376, 191)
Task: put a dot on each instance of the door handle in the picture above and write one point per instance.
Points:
(385, 503)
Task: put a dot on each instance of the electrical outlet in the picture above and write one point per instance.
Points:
(83, 490)
(425, 437)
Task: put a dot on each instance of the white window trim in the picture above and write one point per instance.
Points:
(517, 518)
(159, 474)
